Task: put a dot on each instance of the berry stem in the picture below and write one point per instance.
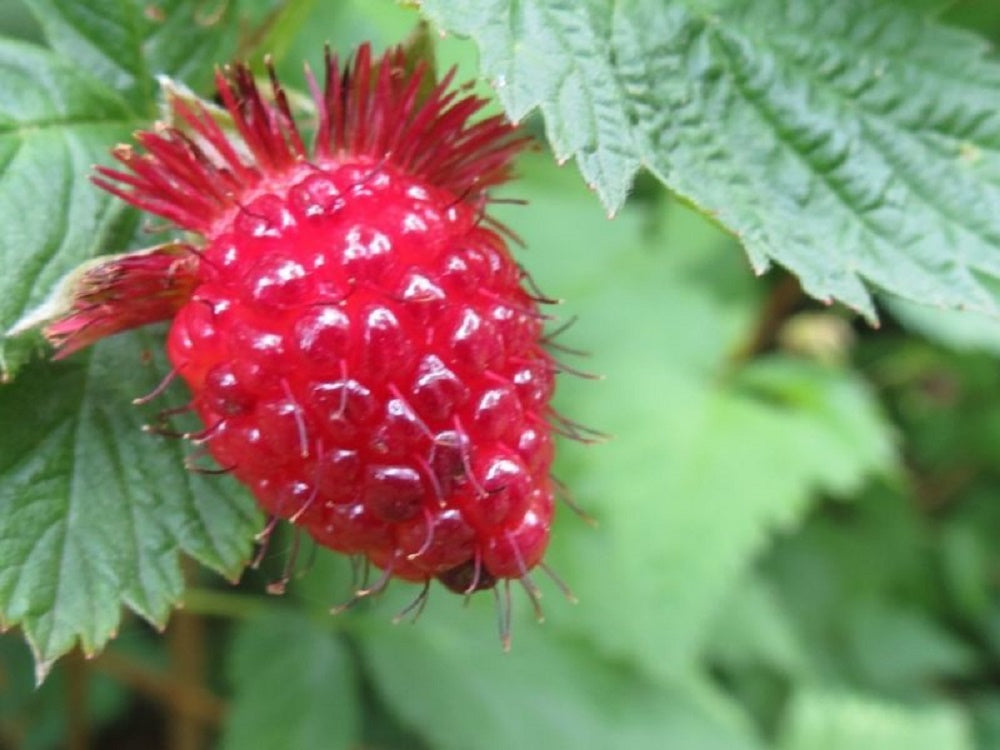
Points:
(214, 603)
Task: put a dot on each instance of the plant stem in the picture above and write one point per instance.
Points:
(785, 296)
(186, 643)
(77, 677)
(194, 701)
(213, 603)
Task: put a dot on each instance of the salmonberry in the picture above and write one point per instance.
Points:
(351, 325)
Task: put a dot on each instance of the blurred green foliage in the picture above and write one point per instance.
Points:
(796, 542)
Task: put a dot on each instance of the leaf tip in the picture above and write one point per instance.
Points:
(234, 578)
(42, 669)
(43, 665)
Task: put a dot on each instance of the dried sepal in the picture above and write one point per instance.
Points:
(114, 293)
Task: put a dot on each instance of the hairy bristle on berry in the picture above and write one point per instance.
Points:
(367, 112)
(355, 335)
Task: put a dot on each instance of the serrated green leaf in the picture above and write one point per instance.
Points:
(829, 721)
(63, 112)
(754, 629)
(856, 145)
(125, 43)
(547, 692)
(94, 511)
(55, 122)
(294, 685)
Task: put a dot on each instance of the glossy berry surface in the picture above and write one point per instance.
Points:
(366, 361)
(351, 324)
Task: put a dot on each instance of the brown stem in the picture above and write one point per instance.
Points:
(77, 677)
(781, 302)
(186, 644)
(194, 702)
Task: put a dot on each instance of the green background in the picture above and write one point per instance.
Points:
(796, 515)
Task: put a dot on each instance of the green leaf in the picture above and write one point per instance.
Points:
(858, 146)
(282, 24)
(125, 43)
(754, 629)
(547, 692)
(961, 330)
(94, 511)
(861, 586)
(187, 39)
(849, 431)
(55, 122)
(103, 38)
(702, 464)
(63, 113)
(827, 721)
(967, 552)
(294, 687)
(930, 7)
(900, 650)
(686, 495)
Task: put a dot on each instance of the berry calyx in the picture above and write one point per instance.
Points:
(351, 324)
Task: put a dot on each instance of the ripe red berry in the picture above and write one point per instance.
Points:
(351, 325)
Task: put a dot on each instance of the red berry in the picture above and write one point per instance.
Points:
(353, 328)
